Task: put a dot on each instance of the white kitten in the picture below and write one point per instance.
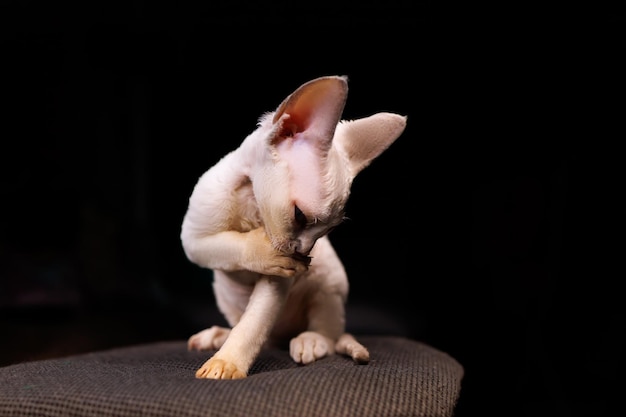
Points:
(259, 219)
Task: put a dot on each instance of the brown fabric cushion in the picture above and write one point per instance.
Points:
(404, 378)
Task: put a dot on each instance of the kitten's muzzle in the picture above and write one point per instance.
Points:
(292, 247)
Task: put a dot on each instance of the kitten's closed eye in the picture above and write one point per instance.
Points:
(299, 218)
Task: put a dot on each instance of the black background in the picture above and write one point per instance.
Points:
(483, 230)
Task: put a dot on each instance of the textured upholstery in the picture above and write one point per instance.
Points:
(404, 378)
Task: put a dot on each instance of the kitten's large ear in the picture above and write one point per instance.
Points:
(315, 107)
(364, 139)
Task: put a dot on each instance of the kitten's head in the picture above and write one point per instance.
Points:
(302, 179)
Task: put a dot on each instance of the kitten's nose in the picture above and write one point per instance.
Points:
(295, 247)
(304, 250)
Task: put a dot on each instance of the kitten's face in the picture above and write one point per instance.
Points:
(299, 209)
(306, 158)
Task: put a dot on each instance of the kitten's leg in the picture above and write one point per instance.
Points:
(235, 251)
(326, 313)
(241, 348)
(326, 325)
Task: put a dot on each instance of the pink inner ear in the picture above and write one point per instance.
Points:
(316, 107)
(294, 124)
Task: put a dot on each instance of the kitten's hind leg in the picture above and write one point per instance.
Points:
(208, 339)
(347, 345)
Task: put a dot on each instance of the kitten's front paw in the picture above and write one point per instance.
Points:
(208, 339)
(216, 368)
(308, 347)
(259, 256)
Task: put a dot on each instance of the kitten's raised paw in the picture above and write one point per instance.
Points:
(208, 339)
(216, 368)
(260, 256)
(308, 347)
